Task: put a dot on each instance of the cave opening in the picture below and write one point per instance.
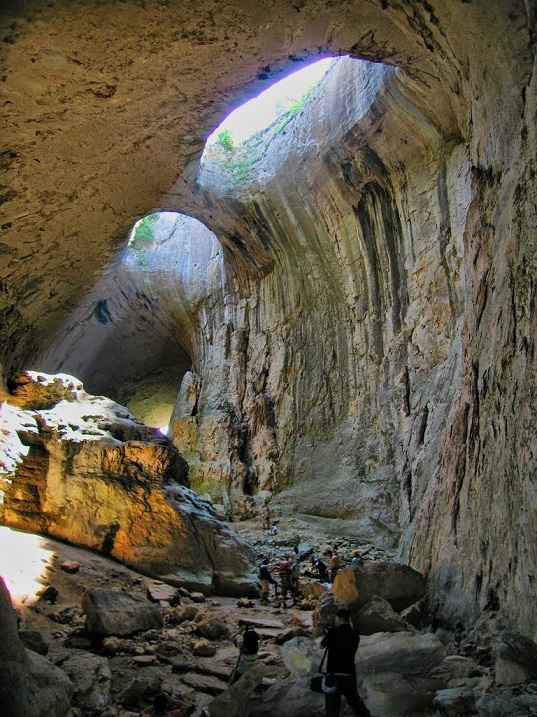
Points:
(280, 102)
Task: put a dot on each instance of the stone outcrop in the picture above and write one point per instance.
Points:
(368, 351)
(111, 612)
(90, 473)
(399, 584)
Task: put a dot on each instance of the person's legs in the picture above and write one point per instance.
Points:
(332, 704)
(264, 590)
(347, 688)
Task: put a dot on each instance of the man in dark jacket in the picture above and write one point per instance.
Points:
(342, 642)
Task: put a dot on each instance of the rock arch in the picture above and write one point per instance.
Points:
(107, 111)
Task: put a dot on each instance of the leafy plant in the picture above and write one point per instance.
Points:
(143, 232)
(288, 114)
(225, 140)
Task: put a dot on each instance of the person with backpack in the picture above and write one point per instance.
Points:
(162, 707)
(266, 580)
(342, 642)
(248, 643)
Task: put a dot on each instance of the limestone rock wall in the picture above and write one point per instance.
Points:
(320, 382)
(371, 350)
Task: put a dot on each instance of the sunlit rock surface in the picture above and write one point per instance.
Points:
(93, 475)
(370, 353)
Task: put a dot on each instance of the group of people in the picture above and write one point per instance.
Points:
(340, 640)
(322, 572)
(289, 574)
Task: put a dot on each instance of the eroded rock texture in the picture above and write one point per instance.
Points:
(87, 472)
(368, 350)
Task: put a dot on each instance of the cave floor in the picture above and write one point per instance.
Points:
(31, 562)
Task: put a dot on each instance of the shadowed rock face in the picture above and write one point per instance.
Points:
(29, 683)
(368, 352)
(89, 473)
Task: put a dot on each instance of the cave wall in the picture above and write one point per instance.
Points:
(372, 351)
(333, 379)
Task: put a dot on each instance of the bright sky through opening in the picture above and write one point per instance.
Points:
(260, 112)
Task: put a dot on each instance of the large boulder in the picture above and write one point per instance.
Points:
(230, 703)
(393, 695)
(89, 473)
(516, 661)
(325, 612)
(30, 685)
(92, 678)
(112, 612)
(401, 652)
(399, 584)
(377, 615)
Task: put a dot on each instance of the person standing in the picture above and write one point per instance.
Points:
(334, 565)
(295, 579)
(286, 585)
(266, 580)
(342, 642)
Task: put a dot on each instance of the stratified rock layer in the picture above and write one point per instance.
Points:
(95, 476)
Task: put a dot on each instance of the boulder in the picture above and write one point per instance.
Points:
(290, 633)
(203, 648)
(401, 652)
(212, 628)
(159, 591)
(34, 640)
(301, 656)
(516, 661)
(88, 450)
(457, 667)
(325, 612)
(231, 702)
(399, 584)
(30, 685)
(311, 588)
(377, 615)
(455, 701)
(184, 613)
(412, 615)
(140, 688)
(112, 612)
(393, 695)
(91, 676)
(491, 705)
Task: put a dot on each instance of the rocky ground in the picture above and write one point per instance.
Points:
(190, 653)
(193, 654)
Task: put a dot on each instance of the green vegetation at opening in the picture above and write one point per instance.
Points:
(225, 140)
(239, 159)
(141, 238)
(291, 112)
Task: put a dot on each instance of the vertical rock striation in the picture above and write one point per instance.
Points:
(367, 351)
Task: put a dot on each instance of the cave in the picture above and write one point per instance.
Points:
(353, 336)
